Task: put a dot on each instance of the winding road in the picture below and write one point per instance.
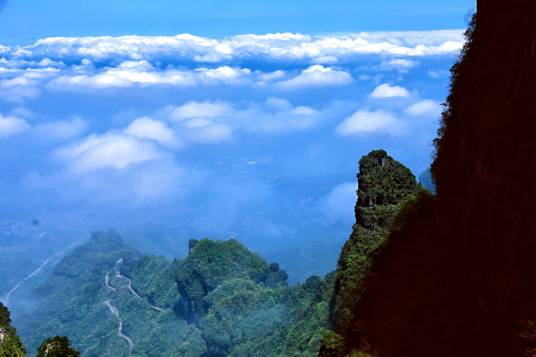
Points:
(117, 270)
(5, 299)
(115, 312)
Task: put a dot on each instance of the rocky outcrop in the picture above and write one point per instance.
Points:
(383, 186)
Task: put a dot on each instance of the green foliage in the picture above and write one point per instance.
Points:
(211, 263)
(5, 316)
(382, 180)
(10, 344)
(71, 303)
(58, 346)
(247, 307)
(154, 278)
(310, 312)
(240, 312)
(332, 345)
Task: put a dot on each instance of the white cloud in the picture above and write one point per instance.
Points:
(388, 91)
(184, 61)
(142, 73)
(338, 204)
(317, 76)
(367, 122)
(18, 84)
(11, 125)
(62, 130)
(147, 128)
(195, 109)
(108, 151)
(278, 46)
(400, 64)
(425, 107)
(148, 139)
(215, 121)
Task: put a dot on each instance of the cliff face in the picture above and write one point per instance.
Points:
(458, 278)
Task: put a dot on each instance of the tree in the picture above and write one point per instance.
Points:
(58, 346)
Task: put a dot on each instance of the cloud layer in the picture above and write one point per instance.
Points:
(270, 47)
(281, 61)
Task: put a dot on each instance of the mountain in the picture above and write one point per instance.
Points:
(456, 275)
(221, 300)
(89, 299)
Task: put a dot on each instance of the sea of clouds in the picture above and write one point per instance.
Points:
(234, 134)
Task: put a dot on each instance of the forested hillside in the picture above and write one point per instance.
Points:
(221, 300)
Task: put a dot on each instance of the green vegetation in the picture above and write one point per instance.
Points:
(384, 185)
(58, 346)
(221, 300)
(10, 344)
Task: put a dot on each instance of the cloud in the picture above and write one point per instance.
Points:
(400, 64)
(148, 139)
(367, 122)
(338, 204)
(215, 121)
(186, 61)
(269, 47)
(388, 91)
(16, 85)
(147, 128)
(317, 76)
(11, 125)
(61, 130)
(205, 109)
(425, 107)
(108, 151)
(142, 73)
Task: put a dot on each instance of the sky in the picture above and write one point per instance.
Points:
(24, 21)
(171, 120)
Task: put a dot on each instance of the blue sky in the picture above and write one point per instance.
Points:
(24, 21)
(211, 120)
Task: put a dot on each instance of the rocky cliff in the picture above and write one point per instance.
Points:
(457, 278)
(383, 185)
